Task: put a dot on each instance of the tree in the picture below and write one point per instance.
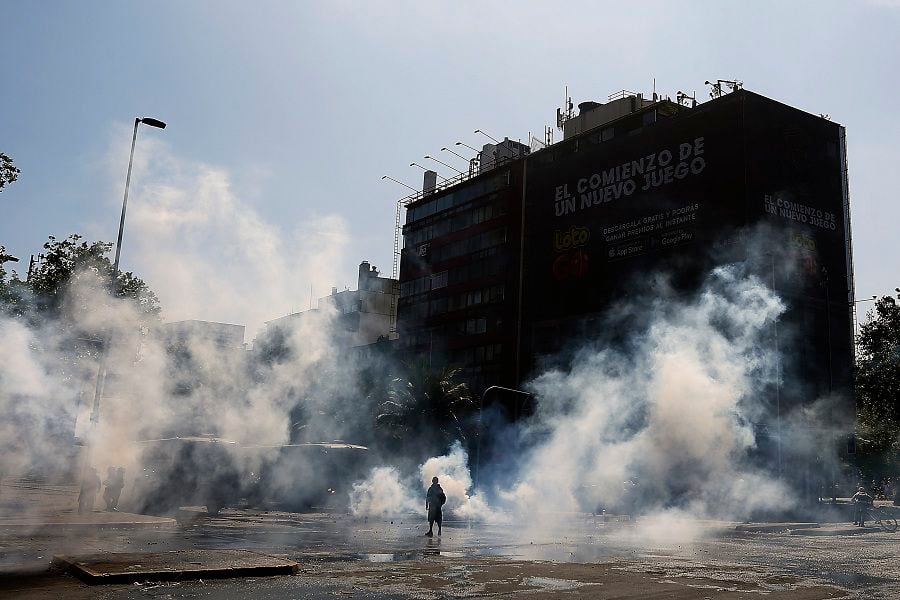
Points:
(12, 290)
(64, 261)
(8, 171)
(878, 388)
(425, 406)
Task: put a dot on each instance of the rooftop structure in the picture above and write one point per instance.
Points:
(364, 315)
(222, 335)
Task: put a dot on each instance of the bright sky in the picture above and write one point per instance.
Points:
(283, 116)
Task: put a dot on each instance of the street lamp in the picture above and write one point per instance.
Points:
(101, 371)
(480, 433)
(467, 146)
(445, 149)
(443, 163)
(487, 135)
(383, 177)
(426, 169)
(152, 123)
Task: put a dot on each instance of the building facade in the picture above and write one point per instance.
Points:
(365, 315)
(459, 274)
(503, 271)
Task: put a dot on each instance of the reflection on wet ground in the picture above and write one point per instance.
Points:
(662, 550)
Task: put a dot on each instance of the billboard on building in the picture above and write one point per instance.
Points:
(612, 209)
(611, 206)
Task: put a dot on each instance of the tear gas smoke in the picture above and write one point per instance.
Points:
(386, 492)
(382, 494)
(208, 255)
(661, 424)
(207, 252)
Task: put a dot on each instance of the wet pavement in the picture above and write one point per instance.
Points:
(576, 556)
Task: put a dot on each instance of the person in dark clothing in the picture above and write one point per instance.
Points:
(109, 482)
(434, 500)
(115, 481)
(120, 485)
(863, 502)
(90, 485)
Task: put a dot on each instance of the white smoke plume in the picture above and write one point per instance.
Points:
(383, 494)
(386, 492)
(661, 425)
(208, 253)
(210, 256)
(452, 470)
(668, 418)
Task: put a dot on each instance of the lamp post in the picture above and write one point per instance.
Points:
(426, 169)
(101, 371)
(480, 433)
(473, 162)
(445, 149)
(152, 123)
(467, 146)
(487, 135)
(383, 177)
(443, 163)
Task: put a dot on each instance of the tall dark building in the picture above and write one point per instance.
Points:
(503, 270)
(459, 273)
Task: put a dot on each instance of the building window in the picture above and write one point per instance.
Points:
(439, 280)
(423, 284)
(457, 197)
(475, 326)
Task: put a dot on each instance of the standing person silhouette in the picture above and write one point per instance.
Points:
(863, 502)
(434, 500)
(90, 485)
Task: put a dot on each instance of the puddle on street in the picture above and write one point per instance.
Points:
(549, 583)
(376, 557)
(854, 580)
(549, 552)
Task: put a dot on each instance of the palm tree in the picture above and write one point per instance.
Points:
(426, 402)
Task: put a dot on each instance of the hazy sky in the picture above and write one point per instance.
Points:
(283, 116)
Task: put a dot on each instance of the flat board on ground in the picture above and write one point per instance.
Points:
(91, 520)
(126, 567)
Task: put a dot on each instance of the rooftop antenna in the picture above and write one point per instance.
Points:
(564, 114)
(654, 89)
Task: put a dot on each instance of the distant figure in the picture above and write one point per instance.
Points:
(115, 481)
(120, 485)
(90, 485)
(434, 500)
(109, 482)
(863, 501)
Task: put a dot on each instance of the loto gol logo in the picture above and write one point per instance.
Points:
(573, 238)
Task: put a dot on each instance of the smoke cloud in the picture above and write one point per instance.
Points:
(209, 256)
(664, 422)
(661, 424)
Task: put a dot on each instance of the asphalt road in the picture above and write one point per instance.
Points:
(573, 556)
